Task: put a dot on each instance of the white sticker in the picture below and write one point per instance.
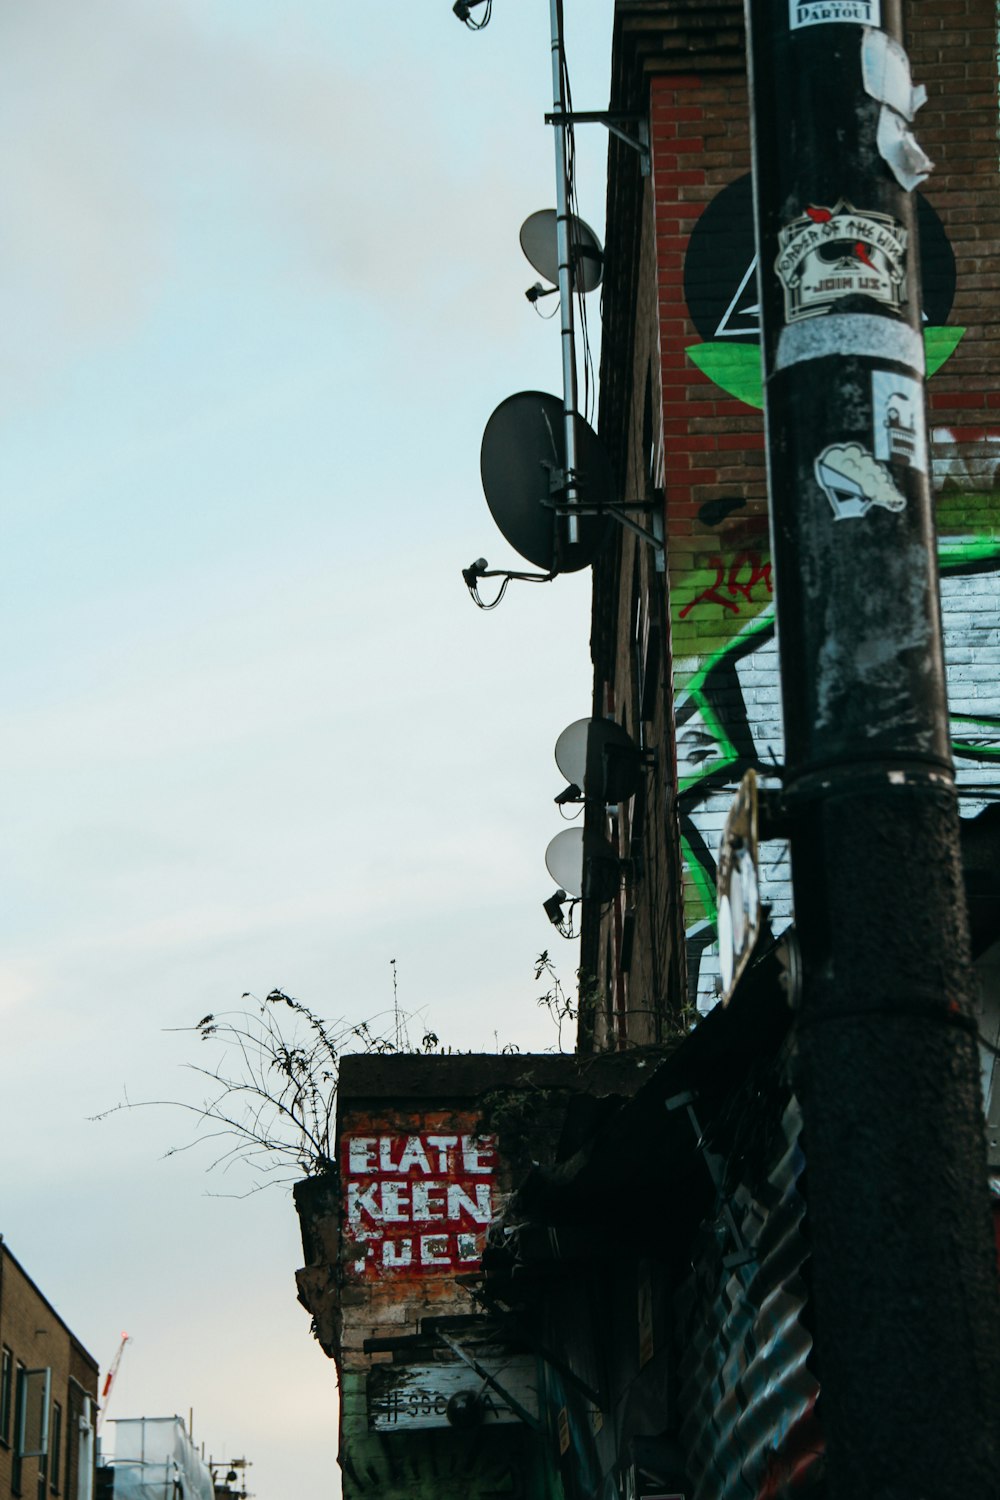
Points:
(833, 12)
(900, 149)
(900, 430)
(853, 481)
(885, 73)
(828, 254)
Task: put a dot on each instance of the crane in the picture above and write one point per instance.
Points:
(109, 1378)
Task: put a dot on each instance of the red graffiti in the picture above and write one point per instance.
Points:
(863, 255)
(741, 577)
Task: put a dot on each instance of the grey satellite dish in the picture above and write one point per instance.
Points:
(599, 757)
(540, 245)
(523, 443)
(584, 865)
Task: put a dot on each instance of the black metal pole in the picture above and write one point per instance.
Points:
(907, 1310)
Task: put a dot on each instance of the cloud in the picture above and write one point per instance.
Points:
(141, 148)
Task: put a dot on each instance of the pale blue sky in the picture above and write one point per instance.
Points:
(260, 287)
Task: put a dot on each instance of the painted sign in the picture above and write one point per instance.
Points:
(405, 1397)
(417, 1205)
(827, 254)
(833, 12)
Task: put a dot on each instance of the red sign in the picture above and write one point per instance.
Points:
(417, 1205)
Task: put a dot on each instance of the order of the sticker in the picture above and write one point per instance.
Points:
(827, 254)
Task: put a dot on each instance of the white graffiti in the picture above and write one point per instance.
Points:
(965, 459)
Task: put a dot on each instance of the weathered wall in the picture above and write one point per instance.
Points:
(725, 684)
(427, 1150)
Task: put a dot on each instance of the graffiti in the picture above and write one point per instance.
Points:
(739, 578)
(727, 708)
(728, 713)
(720, 288)
(966, 458)
(417, 1205)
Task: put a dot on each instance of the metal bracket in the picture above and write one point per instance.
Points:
(618, 509)
(613, 122)
(508, 1400)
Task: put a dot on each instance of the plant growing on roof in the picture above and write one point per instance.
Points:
(272, 1100)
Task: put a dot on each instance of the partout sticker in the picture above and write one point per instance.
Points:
(833, 12)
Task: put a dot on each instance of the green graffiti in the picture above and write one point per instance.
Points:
(984, 746)
(968, 529)
(700, 891)
(736, 367)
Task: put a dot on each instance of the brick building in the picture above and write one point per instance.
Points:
(685, 659)
(48, 1395)
(692, 1363)
(438, 1392)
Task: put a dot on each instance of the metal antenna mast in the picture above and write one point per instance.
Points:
(561, 128)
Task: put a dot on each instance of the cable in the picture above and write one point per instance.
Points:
(481, 569)
(463, 10)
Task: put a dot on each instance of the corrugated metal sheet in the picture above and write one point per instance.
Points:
(748, 1394)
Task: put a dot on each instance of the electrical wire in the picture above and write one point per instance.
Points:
(481, 25)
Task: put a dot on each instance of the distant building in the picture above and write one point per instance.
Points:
(48, 1395)
(152, 1458)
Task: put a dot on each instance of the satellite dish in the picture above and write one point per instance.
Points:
(599, 757)
(523, 442)
(584, 865)
(539, 241)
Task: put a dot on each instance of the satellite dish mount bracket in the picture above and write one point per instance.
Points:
(562, 482)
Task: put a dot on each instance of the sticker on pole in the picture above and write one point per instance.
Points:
(833, 12)
(853, 481)
(898, 420)
(827, 254)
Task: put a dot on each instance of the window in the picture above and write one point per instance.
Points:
(55, 1447)
(6, 1383)
(15, 1465)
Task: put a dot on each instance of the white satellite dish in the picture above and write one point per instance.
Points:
(540, 245)
(584, 865)
(599, 757)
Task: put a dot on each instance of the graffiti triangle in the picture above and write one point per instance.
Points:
(741, 319)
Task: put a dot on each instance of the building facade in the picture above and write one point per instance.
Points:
(685, 659)
(48, 1395)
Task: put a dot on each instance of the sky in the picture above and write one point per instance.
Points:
(260, 290)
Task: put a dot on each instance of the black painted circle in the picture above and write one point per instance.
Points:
(523, 441)
(720, 253)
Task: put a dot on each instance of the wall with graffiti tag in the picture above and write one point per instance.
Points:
(725, 684)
